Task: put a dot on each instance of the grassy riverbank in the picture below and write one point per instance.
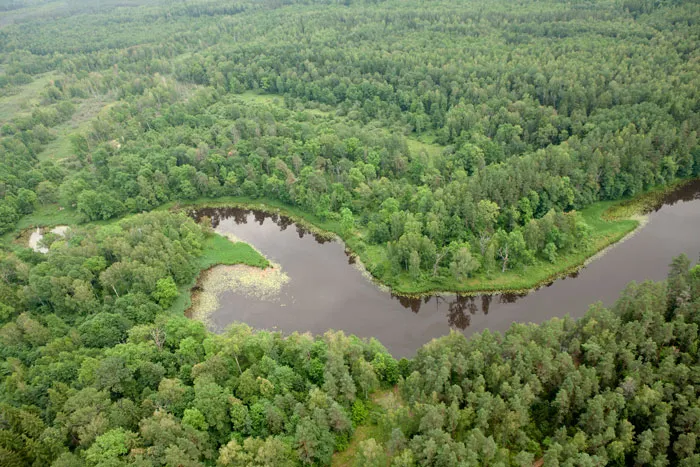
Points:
(610, 221)
(218, 250)
(605, 232)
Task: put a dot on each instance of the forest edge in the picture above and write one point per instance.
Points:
(612, 222)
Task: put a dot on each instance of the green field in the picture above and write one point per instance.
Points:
(21, 100)
(61, 147)
(417, 145)
(221, 250)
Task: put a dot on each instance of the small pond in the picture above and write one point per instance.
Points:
(326, 291)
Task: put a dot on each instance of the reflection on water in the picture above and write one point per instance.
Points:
(459, 307)
(326, 291)
(687, 192)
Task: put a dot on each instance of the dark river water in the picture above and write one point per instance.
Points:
(326, 291)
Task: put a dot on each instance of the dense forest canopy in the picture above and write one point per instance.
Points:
(447, 138)
(96, 372)
(446, 141)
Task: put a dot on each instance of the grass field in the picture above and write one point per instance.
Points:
(416, 146)
(87, 110)
(44, 216)
(252, 97)
(22, 99)
(221, 250)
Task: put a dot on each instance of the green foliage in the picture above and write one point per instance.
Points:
(167, 391)
(166, 292)
(370, 454)
(576, 390)
(406, 149)
(110, 447)
(459, 146)
(104, 330)
(359, 412)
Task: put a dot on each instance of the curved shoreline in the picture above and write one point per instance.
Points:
(641, 220)
(637, 204)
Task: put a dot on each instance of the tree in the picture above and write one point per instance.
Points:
(463, 263)
(256, 452)
(347, 221)
(512, 249)
(110, 447)
(359, 412)
(104, 330)
(26, 201)
(485, 216)
(414, 264)
(8, 217)
(313, 441)
(166, 292)
(370, 454)
(166, 439)
(365, 377)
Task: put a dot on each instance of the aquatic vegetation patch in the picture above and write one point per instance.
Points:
(217, 250)
(253, 282)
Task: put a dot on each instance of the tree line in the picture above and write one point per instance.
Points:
(522, 138)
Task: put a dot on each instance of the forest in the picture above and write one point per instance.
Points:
(453, 145)
(96, 372)
(448, 146)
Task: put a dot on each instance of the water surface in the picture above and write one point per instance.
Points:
(326, 291)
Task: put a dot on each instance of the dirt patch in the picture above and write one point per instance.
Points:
(34, 241)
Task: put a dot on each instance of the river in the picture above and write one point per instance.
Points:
(326, 291)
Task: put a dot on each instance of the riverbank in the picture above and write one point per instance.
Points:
(611, 221)
(605, 233)
(217, 250)
(648, 201)
(372, 258)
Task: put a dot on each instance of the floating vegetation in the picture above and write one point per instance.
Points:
(650, 201)
(257, 283)
(357, 263)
